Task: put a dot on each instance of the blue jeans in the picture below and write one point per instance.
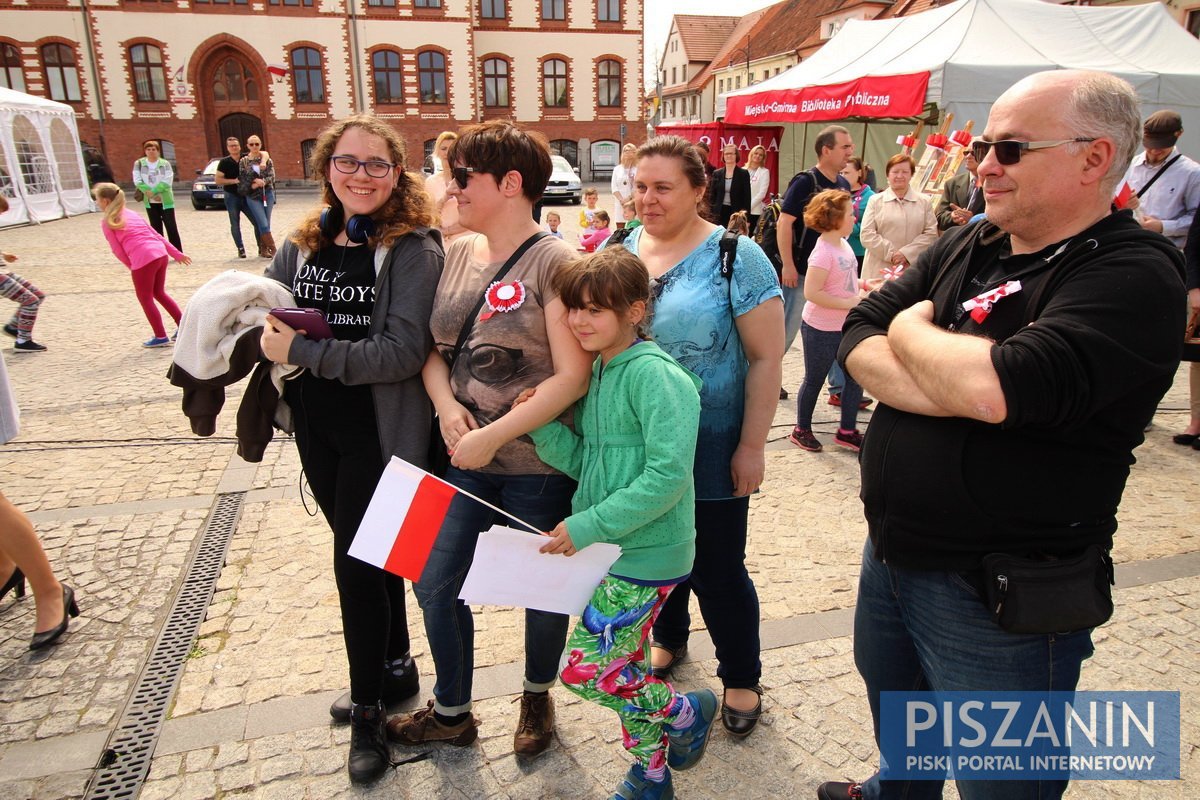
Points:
(235, 206)
(260, 212)
(929, 631)
(820, 351)
(727, 597)
(793, 313)
(540, 500)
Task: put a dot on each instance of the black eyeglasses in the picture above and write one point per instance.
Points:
(1008, 151)
(375, 169)
(461, 175)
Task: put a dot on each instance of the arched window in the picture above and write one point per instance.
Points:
(11, 74)
(431, 71)
(233, 83)
(307, 80)
(495, 83)
(62, 75)
(608, 83)
(554, 82)
(149, 78)
(388, 83)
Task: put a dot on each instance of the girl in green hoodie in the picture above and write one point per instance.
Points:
(632, 456)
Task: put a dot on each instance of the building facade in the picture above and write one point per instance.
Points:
(192, 72)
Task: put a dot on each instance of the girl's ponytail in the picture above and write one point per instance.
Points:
(116, 203)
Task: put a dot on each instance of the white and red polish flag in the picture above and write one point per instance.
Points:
(403, 519)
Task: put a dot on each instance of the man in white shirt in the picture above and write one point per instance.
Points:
(1169, 204)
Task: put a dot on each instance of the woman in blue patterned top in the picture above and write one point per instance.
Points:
(729, 332)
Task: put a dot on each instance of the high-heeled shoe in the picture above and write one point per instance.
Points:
(15, 582)
(70, 609)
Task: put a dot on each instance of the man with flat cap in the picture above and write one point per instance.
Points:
(1166, 182)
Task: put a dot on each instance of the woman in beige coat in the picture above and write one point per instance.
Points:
(898, 224)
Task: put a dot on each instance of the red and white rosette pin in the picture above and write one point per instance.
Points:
(981, 305)
(503, 297)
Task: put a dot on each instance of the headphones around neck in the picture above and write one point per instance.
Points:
(359, 228)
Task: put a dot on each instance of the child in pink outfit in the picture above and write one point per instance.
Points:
(145, 252)
(593, 240)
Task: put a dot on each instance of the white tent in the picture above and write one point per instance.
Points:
(41, 164)
(967, 52)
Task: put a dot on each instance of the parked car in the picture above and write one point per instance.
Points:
(205, 192)
(564, 183)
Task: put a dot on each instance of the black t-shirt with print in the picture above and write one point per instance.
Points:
(340, 281)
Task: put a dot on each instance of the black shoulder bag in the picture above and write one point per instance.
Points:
(439, 456)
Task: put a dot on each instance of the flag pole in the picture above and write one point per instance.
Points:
(460, 490)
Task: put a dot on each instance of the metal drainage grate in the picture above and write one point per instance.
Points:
(126, 759)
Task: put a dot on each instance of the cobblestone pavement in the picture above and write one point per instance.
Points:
(120, 491)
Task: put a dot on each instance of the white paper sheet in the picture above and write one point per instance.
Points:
(508, 570)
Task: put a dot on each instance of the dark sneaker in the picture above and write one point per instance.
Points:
(11, 330)
(422, 726)
(686, 747)
(804, 439)
(535, 728)
(369, 753)
(839, 791)
(29, 347)
(783, 393)
(851, 441)
(836, 400)
(636, 786)
(400, 682)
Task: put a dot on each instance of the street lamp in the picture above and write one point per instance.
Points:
(737, 55)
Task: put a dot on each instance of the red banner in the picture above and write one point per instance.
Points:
(868, 96)
(718, 134)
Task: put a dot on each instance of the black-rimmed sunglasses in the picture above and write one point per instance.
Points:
(375, 169)
(461, 175)
(1008, 151)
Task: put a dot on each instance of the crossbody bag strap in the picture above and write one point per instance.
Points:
(508, 265)
(1158, 175)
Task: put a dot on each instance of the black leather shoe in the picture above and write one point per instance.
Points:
(400, 682)
(370, 756)
(742, 723)
(70, 609)
(14, 584)
(677, 655)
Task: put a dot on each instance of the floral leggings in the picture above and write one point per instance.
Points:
(607, 661)
(27, 297)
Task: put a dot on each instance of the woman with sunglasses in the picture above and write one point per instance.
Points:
(898, 225)
(727, 329)
(497, 331)
(154, 178)
(256, 183)
(368, 258)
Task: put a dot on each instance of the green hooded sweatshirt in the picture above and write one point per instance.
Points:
(633, 460)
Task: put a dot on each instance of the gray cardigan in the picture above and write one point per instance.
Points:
(391, 357)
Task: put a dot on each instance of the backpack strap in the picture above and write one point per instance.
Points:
(728, 248)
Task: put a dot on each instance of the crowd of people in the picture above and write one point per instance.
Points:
(461, 330)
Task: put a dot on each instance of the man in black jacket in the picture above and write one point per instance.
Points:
(1016, 365)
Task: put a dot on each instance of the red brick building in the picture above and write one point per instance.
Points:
(191, 72)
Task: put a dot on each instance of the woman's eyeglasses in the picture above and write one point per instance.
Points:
(1008, 151)
(375, 169)
(461, 175)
